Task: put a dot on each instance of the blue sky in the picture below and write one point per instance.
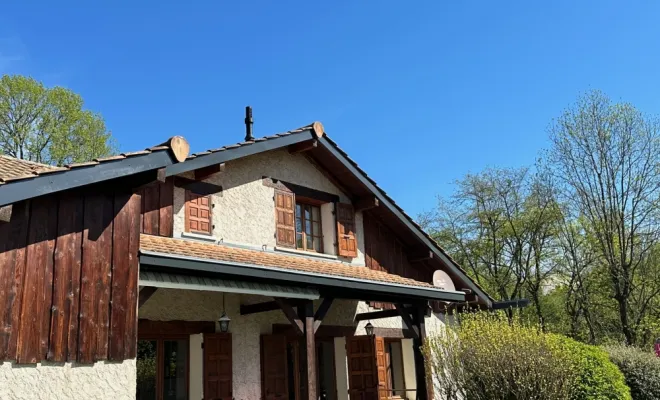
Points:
(418, 93)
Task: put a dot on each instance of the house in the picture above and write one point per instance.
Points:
(274, 268)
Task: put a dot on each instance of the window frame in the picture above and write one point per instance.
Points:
(160, 354)
(306, 202)
(188, 196)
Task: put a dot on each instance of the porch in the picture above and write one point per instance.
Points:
(290, 336)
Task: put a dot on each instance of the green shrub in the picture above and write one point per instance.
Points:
(597, 377)
(642, 371)
(486, 358)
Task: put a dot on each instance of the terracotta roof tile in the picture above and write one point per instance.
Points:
(13, 169)
(189, 248)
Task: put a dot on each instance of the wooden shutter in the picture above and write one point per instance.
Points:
(285, 218)
(198, 213)
(367, 372)
(346, 242)
(217, 366)
(274, 368)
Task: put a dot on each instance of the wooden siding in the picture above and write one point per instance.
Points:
(385, 252)
(158, 208)
(68, 278)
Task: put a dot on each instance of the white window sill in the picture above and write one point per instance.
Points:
(306, 253)
(199, 236)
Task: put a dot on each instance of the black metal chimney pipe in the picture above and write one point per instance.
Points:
(248, 124)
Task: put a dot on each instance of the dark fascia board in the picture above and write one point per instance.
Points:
(384, 201)
(24, 189)
(220, 156)
(251, 271)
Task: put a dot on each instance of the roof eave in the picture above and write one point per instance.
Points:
(384, 201)
(12, 192)
(253, 271)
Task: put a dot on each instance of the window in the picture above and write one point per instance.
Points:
(308, 227)
(198, 213)
(162, 369)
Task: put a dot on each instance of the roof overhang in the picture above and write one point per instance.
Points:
(327, 285)
(172, 280)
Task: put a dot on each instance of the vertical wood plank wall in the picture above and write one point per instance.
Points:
(384, 252)
(68, 278)
(158, 208)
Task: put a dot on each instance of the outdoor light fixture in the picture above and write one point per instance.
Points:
(369, 328)
(224, 323)
(224, 319)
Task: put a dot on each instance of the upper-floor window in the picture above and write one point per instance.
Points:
(309, 235)
(198, 213)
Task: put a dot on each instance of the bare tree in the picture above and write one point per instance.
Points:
(608, 158)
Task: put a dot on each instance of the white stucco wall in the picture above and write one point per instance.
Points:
(59, 381)
(171, 304)
(244, 212)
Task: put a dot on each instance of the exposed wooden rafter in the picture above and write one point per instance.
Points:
(303, 146)
(247, 309)
(197, 187)
(291, 315)
(407, 319)
(421, 257)
(380, 314)
(205, 172)
(321, 312)
(366, 203)
(145, 294)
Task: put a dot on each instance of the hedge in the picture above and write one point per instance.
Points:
(641, 369)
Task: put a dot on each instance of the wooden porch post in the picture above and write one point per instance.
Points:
(423, 392)
(308, 351)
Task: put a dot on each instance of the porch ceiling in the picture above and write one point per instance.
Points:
(169, 280)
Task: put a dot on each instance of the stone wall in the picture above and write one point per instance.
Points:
(59, 381)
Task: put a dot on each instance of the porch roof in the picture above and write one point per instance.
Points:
(168, 280)
(344, 280)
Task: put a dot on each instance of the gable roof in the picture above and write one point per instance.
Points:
(21, 180)
(345, 170)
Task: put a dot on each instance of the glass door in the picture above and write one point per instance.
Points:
(162, 369)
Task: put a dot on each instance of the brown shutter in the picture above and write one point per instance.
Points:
(367, 373)
(217, 366)
(285, 218)
(198, 213)
(346, 242)
(274, 376)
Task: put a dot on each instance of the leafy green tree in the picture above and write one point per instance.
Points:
(48, 125)
(607, 158)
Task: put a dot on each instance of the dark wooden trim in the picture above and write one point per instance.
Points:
(307, 312)
(148, 329)
(198, 187)
(341, 288)
(23, 189)
(247, 309)
(205, 172)
(424, 389)
(245, 150)
(302, 191)
(321, 312)
(405, 316)
(388, 205)
(145, 294)
(291, 315)
(420, 257)
(381, 314)
(365, 203)
(303, 146)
